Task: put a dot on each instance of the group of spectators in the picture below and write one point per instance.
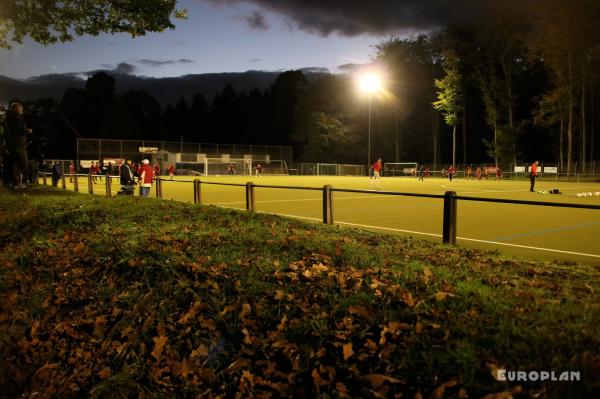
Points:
(145, 175)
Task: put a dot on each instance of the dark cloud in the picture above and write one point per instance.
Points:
(317, 70)
(256, 20)
(125, 69)
(159, 63)
(380, 17)
(350, 67)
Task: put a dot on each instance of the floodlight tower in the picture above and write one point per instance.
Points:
(370, 83)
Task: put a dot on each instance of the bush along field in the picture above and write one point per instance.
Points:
(131, 297)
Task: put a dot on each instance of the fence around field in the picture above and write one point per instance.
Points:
(450, 198)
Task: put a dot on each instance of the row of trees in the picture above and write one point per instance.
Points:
(513, 87)
(537, 69)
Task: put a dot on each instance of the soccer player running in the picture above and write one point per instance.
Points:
(375, 179)
(498, 173)
(171, 171)
(533, 175)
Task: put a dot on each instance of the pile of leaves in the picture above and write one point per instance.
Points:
(140, 298)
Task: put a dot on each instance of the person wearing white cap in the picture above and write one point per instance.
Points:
(146, 177)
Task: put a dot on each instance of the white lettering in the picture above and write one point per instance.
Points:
(544, 375)
(533, 376)
(512, 375)
(521, 376)
(564, 376)
(501, 375)
(575, 376)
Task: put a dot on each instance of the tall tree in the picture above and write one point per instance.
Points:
(449, 95)
(50, 21)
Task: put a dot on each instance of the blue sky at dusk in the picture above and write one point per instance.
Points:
(215, 38)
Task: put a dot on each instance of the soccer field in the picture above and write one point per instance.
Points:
(539, 232)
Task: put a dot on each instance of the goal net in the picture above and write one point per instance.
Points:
(400, 169)
(352, 170)
(234, 166)
(328, 169)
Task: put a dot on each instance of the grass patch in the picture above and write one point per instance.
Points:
(140, 297)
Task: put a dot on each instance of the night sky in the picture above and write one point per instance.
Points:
(240, 35)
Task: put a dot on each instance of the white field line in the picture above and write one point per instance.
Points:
(305, 199)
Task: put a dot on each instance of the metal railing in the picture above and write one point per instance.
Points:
(450, 198)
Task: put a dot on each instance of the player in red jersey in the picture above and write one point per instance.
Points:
(71, 171)
(451, 172)
(171, 170)
(375, 179)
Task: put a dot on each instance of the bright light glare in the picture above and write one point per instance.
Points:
(370, 83)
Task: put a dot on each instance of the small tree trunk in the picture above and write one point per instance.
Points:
(454, 143)
(571, 115)
(464, 133)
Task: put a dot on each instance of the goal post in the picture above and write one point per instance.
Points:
(400, 168)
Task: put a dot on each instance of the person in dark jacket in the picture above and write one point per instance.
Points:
(16, 144)
(126, 178)
(56, 173)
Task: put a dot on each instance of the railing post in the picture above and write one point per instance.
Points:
(449, 228)
(90, 184)
(250, 197)
(327, 205)
(108, 186)
(63, 181)
(197, 192)
(158, 188)
(75, 183)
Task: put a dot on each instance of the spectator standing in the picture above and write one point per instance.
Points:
(126, 178)
(16, 144)
(146, 177)
(111, 169)
(375, 179)
(533, 175)
(56, 172)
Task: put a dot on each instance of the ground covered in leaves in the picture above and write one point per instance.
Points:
(136, 297)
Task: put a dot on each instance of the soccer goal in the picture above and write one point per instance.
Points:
(233, 166)
(328, 169)
(400, 168)
(352, 170)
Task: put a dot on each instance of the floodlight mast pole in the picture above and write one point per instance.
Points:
(369, 136)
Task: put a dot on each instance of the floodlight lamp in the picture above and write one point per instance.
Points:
(370, 83)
